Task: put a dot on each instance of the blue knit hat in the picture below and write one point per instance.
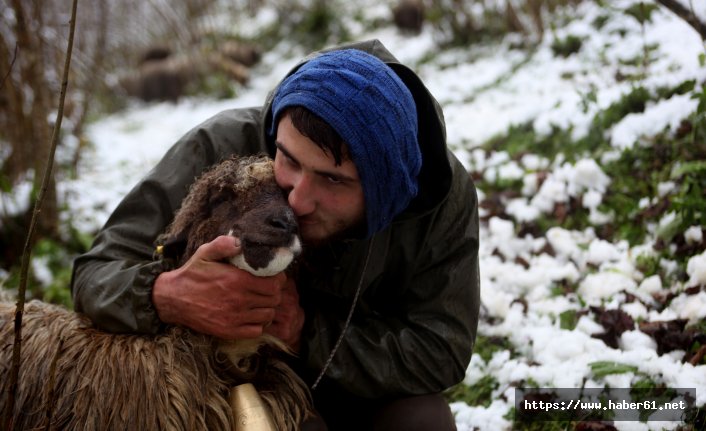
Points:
(372, 110)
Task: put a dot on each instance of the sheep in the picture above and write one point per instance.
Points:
(408, 16)
(76, 377)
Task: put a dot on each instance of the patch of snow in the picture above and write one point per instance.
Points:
(663, 115)
(694, 235)
(696, 269)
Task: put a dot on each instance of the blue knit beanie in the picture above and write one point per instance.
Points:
(372, 110)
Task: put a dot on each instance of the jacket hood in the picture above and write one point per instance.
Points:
(435, 175)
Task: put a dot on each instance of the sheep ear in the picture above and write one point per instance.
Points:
(173, 247)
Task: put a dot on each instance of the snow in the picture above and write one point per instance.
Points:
(694, 235)
(483, 91)
(17, 202)
(651, 285)
(666, 113)
(603, 285)
(696, 268)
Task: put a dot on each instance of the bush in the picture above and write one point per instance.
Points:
(565, 47)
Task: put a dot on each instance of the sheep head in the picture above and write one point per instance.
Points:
(238, 197)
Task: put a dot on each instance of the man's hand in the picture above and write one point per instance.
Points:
(289, 318)
(217, 298)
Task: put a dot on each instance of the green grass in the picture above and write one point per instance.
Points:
(675, 156)
(478, 394)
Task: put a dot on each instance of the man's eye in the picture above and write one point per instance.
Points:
(334, 180)
(290, 161)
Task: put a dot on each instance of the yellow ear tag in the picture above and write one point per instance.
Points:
(160, 249)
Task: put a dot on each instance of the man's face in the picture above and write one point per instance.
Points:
(327, 199)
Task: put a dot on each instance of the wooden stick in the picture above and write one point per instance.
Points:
(24, 270)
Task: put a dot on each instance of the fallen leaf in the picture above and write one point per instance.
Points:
(615, 322)
(673, 335)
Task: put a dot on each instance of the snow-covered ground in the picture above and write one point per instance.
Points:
(483, 91)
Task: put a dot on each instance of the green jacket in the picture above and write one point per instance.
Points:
(414, 325)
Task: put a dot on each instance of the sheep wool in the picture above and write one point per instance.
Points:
(373, 111)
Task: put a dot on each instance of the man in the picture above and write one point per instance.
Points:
(383, 313)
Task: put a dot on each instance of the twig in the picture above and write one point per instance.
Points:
(698, 356)
(24, 270)
(9, 70)
(687, 15)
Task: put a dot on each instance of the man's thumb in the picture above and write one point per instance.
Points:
(224, 246)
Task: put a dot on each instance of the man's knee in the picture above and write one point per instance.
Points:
(425, 412)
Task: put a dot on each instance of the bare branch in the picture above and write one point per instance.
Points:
(682, 12)
(17, 346)
(12, 64)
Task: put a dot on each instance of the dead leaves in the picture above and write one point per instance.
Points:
(615, 322)
(673, 335)
(670, 335)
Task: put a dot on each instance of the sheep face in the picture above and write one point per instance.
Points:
(272, 246)
(239, 197)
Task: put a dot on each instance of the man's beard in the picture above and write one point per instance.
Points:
(357, 231)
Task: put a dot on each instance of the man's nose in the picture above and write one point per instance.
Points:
(301, 196)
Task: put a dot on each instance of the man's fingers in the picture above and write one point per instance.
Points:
(243, 332)
(220, 248)
(219, 299)
(249, 324)
(259, 316)
(266, 286)
(254, 302)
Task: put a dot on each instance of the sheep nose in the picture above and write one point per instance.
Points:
(283, 222)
